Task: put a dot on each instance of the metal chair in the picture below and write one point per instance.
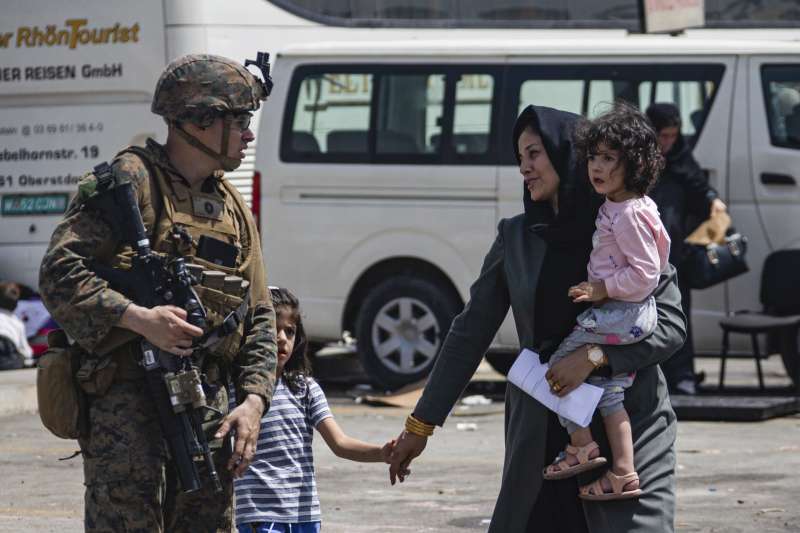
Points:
(780, 296)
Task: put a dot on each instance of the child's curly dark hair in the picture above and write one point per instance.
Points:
(626, 129)
(298, 367)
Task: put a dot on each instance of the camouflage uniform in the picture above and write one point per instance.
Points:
(130, 483)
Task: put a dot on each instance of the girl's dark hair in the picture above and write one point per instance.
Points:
(626, 129)
(664, 115)
(298, 367)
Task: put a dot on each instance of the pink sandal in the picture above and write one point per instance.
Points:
(594, 490)
(566, 470)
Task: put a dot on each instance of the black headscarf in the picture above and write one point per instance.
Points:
(577, 202)
(568, 233)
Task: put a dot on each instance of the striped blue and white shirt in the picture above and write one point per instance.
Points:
(279, 485)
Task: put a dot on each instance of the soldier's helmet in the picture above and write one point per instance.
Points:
(198, 88)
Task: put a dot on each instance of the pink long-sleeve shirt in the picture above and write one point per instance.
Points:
(630, 248)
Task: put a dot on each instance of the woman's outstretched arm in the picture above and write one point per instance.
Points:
(468, 339)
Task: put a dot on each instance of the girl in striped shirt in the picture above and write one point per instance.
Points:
(278, 492)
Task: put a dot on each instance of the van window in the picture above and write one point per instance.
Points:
(601, 96)
(688, 96)
(590, 89)
(391, 115)
(332, 114)
(472, 118)
(409, 113)
(566, 95)
(781, 85)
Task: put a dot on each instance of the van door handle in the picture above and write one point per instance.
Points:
(768, 178)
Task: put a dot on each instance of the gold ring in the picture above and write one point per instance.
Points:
(557, 386)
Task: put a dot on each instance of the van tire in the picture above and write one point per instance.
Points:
(401, 328)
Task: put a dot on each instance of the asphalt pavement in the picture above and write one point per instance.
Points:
(732, 477)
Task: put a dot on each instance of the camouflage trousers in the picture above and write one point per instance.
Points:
(131, 486)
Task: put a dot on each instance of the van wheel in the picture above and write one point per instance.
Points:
(400, 329)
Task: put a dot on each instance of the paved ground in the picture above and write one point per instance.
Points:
(738, 477)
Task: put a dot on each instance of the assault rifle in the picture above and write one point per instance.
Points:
(154, 280)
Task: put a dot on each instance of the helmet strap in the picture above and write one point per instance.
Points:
(223, 146)
(228, 163)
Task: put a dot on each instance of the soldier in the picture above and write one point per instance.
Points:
(207, 102)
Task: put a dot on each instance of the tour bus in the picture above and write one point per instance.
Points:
(386, 167)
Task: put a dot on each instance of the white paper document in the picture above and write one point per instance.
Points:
(528, 373)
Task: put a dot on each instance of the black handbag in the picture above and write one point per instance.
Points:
(705, 266)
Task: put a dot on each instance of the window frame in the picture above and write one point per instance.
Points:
(446, 155)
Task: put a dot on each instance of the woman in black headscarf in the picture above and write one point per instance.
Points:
(536, 257)
(682, 194)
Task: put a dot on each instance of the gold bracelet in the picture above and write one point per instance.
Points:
(418, 430)
(418, 427)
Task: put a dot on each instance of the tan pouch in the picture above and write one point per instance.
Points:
(60, 400)
(218, 305)
(96, 375)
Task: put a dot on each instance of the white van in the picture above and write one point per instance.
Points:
(386, 167)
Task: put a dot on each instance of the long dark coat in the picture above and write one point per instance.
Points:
(683, 196)
(509, 278)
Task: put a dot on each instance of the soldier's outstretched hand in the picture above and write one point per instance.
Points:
(165, 326)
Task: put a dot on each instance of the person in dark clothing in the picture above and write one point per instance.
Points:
(684, 199)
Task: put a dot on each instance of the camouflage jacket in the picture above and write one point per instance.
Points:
(88, 309)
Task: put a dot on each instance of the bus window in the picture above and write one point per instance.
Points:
(409, 113)
(473, 114)
(781, 85)
(332, 114)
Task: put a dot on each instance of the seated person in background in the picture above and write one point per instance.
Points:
(793, 125)
(14, 347)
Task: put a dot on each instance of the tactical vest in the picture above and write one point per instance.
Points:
(221, 289)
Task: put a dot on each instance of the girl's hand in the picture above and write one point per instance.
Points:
(718, 206)
(567, 374)
(407, 447)
(386, 451)
(588, 292)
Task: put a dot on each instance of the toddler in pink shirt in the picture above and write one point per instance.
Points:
(630, 249)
